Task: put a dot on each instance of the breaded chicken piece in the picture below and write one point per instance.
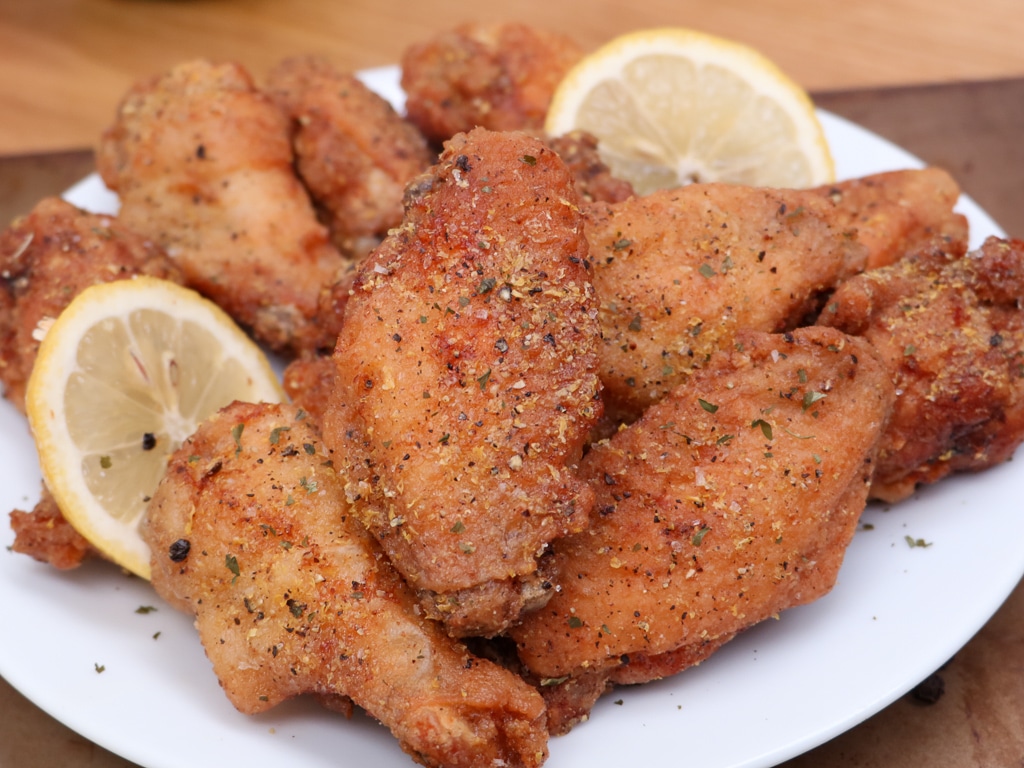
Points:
(354, 153)
(202, 162)
(898, 212)
(250, 531)
(309, 383)
(680, 271)
(951, 333)
(594, 179)
(497, 76)
(46, 259)
(733, 498)
(466, 380)
(45, 535)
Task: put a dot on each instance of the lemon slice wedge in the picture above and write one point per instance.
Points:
(672, 106)
(124, 375)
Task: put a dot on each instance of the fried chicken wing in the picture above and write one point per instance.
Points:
(46, 259)
(898, 212)
(250, 531)
(594, 179)
(45, 535)
(497, 76)
(466, 380)
(202, 162)
(309, 383)
(730, 500)
(679, 272)
(354, 153)
(951, 332)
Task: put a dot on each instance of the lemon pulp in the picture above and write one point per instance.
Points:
(674, 106)
(123, 377)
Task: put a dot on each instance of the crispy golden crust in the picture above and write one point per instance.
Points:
(898, 212)
(202, 163)
(467, 379)
(249, 531)
(354, 153)
(679, 272)
(45, 535)
(594, 180)
(730, 500)
(497, 76)
(46, 259)
(309, 383)
(951, 332)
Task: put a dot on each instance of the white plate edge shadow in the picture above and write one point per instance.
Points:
(773, 693)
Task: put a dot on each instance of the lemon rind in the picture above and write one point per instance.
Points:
(760, 72)
(57, 358)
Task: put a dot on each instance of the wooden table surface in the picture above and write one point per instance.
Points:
(65, 63)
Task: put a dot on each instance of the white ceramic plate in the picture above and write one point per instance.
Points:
(139, 684)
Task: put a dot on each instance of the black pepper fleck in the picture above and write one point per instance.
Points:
(179, 550)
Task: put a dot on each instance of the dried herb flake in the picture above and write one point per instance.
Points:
(698, 537)
(236, 433)
(912, 542)
(811, 398)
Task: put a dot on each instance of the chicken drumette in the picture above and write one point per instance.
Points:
(250, 531)
(203, 164)
(354, 153)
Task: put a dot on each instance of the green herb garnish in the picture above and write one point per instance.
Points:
(236, 433)
(811, 398)
(698, 537)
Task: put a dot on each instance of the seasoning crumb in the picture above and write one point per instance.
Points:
(929, 690)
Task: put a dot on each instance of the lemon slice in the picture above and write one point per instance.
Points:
(123, 376)
(673, 106)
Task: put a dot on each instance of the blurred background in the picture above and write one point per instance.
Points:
(65, 63)
(937, 76)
